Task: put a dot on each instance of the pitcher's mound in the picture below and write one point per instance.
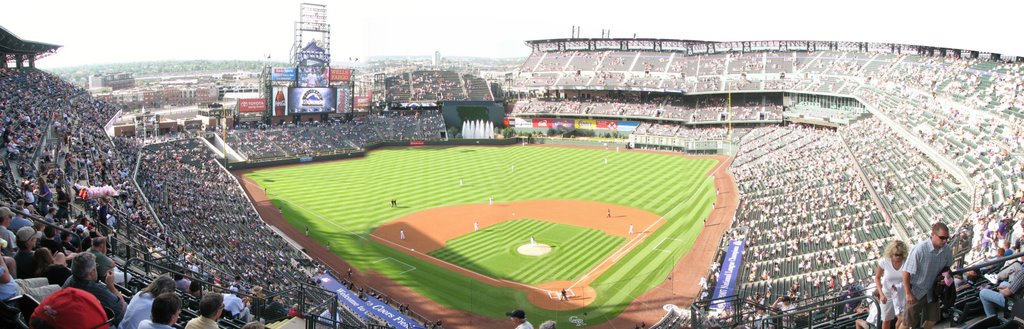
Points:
(534, 249)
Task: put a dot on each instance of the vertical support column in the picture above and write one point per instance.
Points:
(32, 61)
(18, 60)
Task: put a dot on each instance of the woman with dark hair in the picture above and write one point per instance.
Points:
(52, 266)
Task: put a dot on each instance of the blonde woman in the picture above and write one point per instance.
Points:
(889, 279)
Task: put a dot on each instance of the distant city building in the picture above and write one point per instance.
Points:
(164, 95)
(437, 58)
(114, 81)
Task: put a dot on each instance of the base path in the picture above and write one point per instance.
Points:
(681, 289)
(429, 230)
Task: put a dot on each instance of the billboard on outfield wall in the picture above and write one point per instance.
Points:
(628, 126)
(282, 74)
(607, 125)
(312, 100)
(561, 124)
(252, 105)
(341, 75)
(564, 124)
(586, 124)
(520, 123)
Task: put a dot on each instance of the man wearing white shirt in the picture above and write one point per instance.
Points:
(236, 306)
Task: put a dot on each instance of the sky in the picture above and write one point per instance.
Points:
(115, 31)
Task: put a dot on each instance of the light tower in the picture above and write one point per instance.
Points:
(312, 26)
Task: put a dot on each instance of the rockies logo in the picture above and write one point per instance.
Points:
(578, 321)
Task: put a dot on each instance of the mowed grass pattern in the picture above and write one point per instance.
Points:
(492, 251)
(342, 202)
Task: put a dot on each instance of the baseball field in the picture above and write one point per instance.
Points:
(614, 223)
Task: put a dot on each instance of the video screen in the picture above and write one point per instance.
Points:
(312, 100)
(313, 76)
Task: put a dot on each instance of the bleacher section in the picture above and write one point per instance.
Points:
(813, 227)
(429, 86)
(308, 139)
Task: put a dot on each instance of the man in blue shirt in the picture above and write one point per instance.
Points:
(928, 258)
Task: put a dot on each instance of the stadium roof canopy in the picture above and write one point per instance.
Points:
(708, 47)
(11, 45)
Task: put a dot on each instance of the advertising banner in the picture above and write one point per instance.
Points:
(344, 98)
(541, 123)
(390, 315)
(341, 75)
(417, 142)
(628, 126)
(280, 101)
(564, 124)
(251, 105)
(346, 297)
(608, 125)
(586, 124)
(361, 102)
(312, 100)
(730, 269)
(282, 74)
(520, 123)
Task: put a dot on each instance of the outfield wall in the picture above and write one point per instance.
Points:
(361, 153)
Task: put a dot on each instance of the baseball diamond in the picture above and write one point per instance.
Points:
(559, 196)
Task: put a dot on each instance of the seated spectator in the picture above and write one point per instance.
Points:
(19, 221)
(83, 276)
(8, 288)
(38, 288)
(992, 297)
(195, 289)
(49, 240)
(53, 267)
(180, 282)
(237, 307)
(8, 244)
(210, 309)
(65, 242)
(27, 237)
(165, 310)
(103, 263)
(142, 303)
(69, 308)
(872, 310)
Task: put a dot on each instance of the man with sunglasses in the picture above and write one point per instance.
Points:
(926, 261)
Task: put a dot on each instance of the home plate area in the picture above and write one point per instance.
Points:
(558, 294)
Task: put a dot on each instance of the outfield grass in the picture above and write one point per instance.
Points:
(342, 202)
(492, 251)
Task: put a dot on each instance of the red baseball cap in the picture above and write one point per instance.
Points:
(72, 308)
